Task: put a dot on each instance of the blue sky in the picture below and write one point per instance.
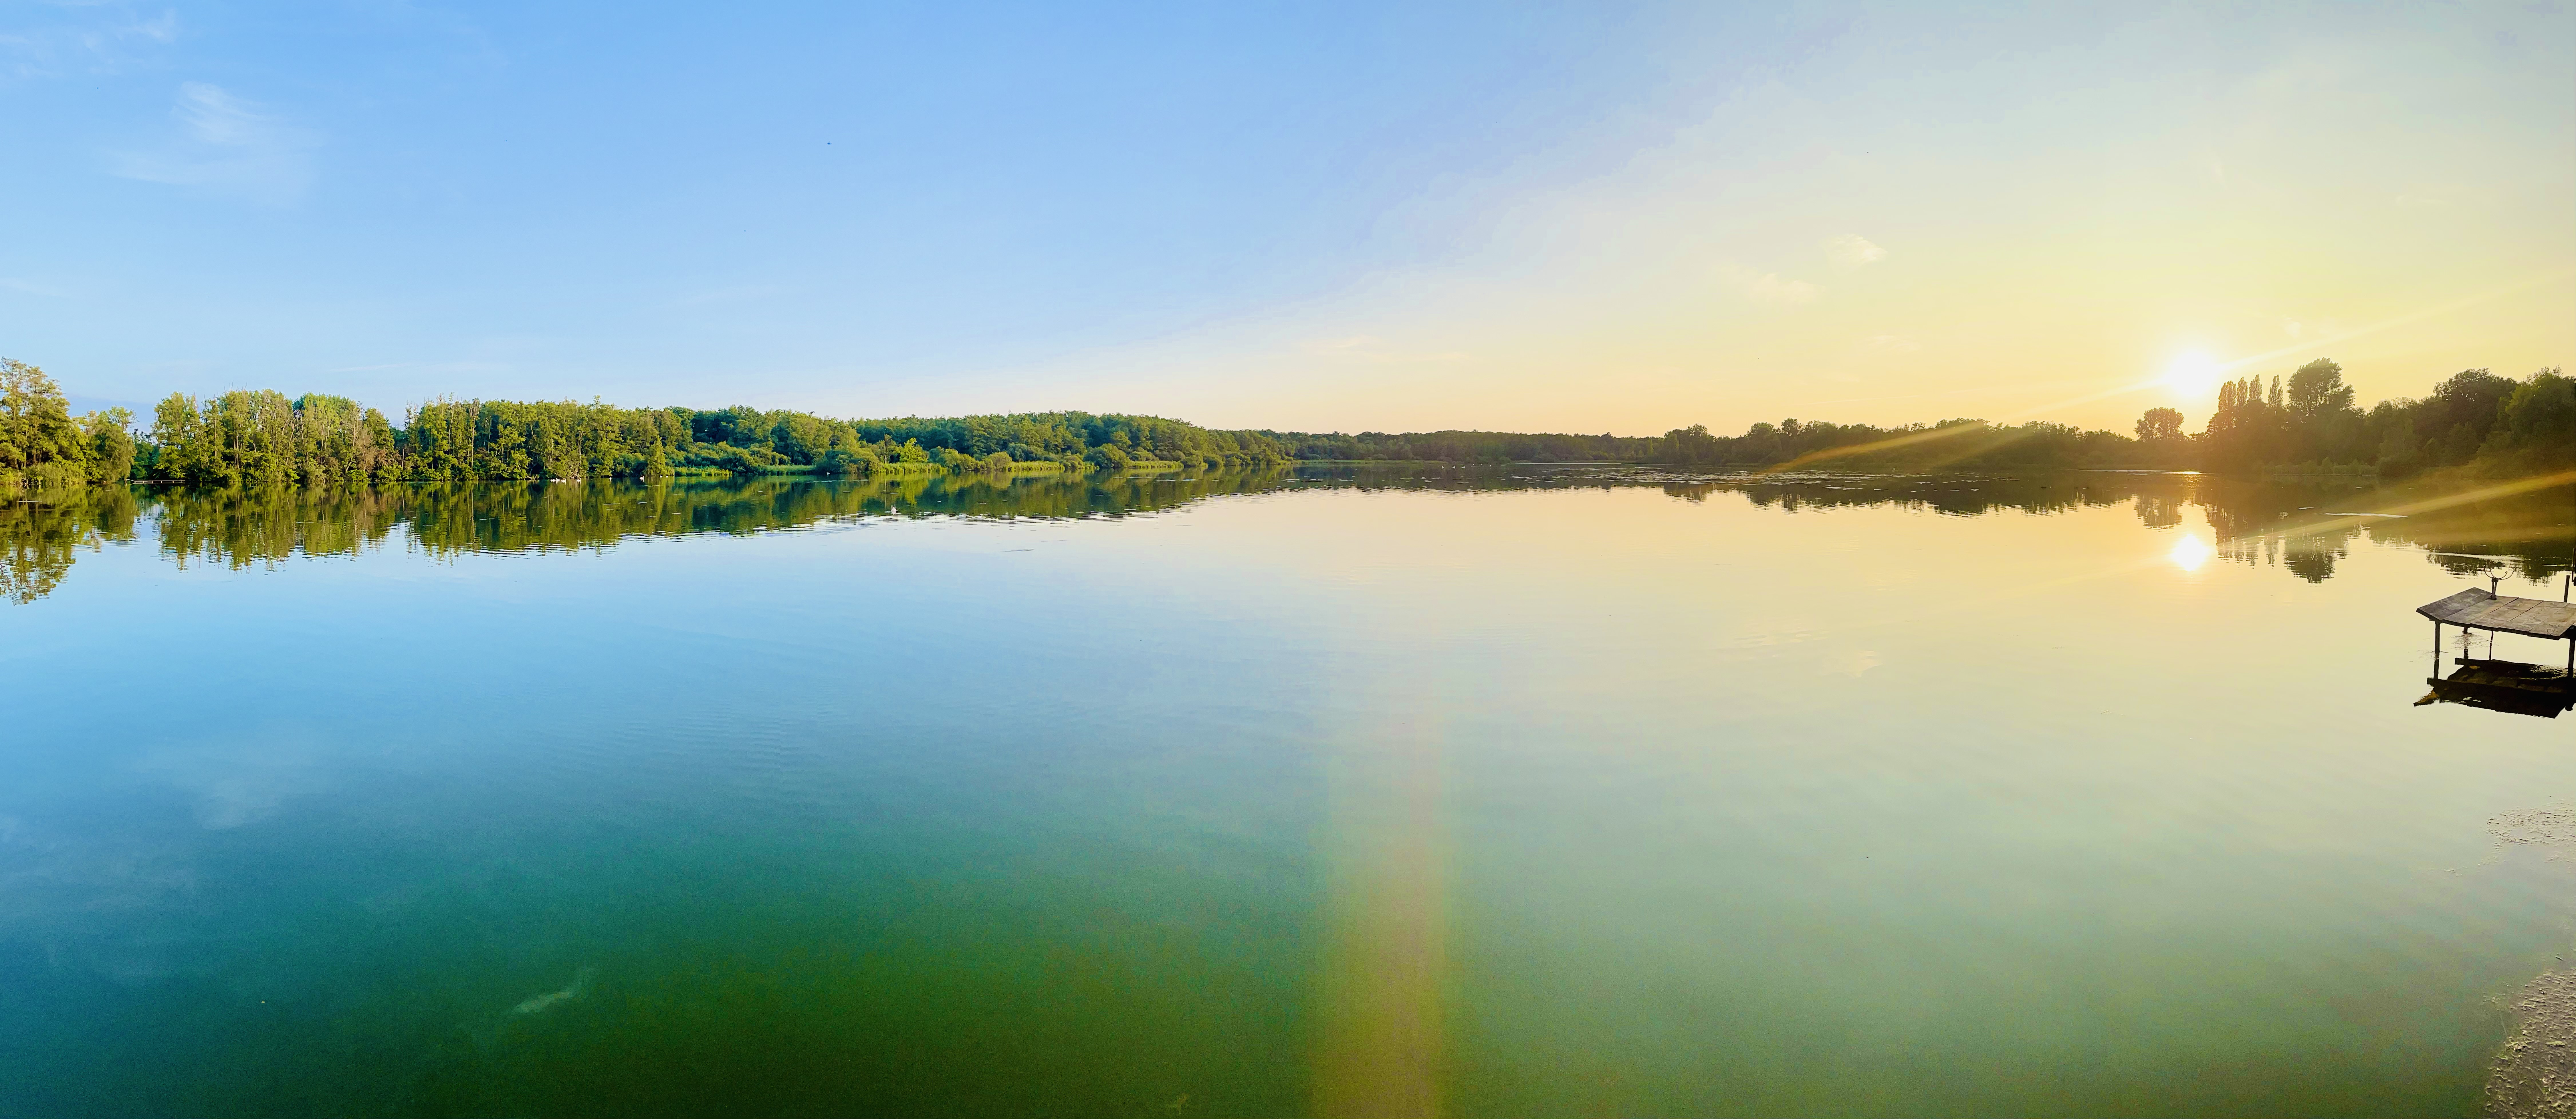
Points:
(1588, 217)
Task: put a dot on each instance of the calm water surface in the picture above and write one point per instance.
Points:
(1559, 792)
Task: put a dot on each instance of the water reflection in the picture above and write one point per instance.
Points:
(1684, 794)
(38, 539)
(2513, 687)
(240, 528)
(2189, 553)
(2304, 529)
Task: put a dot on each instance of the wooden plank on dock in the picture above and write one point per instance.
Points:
(2531, 617)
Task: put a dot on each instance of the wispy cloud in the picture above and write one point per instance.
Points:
(82, 37)
(1769, 289)
(1851, 250)
(230, 146)
(424, 366)
(1377, 351)
(235, 785)
(747, 293)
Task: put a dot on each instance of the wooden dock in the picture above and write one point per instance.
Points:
(2499, 685)
(2487, 610)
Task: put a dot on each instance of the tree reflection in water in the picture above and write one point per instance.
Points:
(40, 536)
(2294, 526)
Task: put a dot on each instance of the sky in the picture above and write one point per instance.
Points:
(1593, 217)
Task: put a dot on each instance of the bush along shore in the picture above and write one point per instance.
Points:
(2306, 423)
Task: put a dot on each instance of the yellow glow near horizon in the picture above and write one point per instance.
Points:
(2193, 374)
(2190, 552)
(1858, 259)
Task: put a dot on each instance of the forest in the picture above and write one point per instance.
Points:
(267, 438)
(2306, 421)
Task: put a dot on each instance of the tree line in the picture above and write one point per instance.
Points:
(2501, 424)
(2307, 420)
(267, 438)
(42, 443)
(1964, 442)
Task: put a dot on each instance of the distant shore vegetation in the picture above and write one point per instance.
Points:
(2306, 422)
(268, 438)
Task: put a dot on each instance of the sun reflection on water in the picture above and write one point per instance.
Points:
(2190, 552)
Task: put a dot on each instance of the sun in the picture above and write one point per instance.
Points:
(2192, 374)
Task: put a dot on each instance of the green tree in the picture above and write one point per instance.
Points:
(184, 447)
(2468, 399)
(38, 439)
(2318, 387)
(111, 445)
(2538, 418)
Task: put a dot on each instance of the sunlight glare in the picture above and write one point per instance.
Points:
(2193, 374)
(2190, 552)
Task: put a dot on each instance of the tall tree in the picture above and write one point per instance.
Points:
(37, 434)
(2318, 387)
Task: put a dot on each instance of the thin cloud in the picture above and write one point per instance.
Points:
(1769, 289)
(229, 146)
(83, 37)
(1851, 250)
(1376, 351)
(425, 366)
(743, 294)
(160, 29)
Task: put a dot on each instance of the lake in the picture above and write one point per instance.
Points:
(1548, 791)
